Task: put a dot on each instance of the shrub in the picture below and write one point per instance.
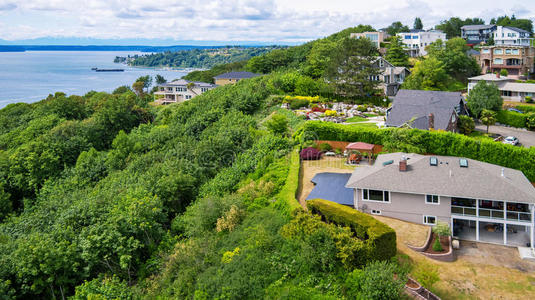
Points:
(426, 274)
(511, 118)
(503, 72)
(325, 147)
(442, 229)
(530, 121)
(287, 197)
(466, 124)
(529, 99)
(380, 239)
(310, 154)
(436, 245)
(362, 108)
(330, 113)
(377, 281)
(526, 108)
(298, 103)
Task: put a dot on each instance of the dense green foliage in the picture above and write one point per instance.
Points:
(452, 27)
(199, 58)
(395, 54)
(512, 21)
(484, 96)
(378, 238)
(423, 141)
(378, 281)
(446, 67)
(512, 118)
(466, 124)
(395, 28)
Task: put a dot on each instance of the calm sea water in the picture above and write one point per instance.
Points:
(30, 76)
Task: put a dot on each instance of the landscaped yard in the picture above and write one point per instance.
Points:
(481, 271)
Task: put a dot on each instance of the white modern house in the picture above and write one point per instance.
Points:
(505, 35)
(415, 41)
(480, 201)
(180, 90)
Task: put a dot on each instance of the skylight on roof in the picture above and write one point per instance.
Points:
(433, 161)
(463, 163)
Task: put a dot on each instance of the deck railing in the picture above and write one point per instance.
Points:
(491, 213)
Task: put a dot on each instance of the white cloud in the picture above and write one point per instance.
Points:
(258, 20)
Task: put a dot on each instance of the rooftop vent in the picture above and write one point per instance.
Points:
(463, 163)
(388, 162)
(433, 161)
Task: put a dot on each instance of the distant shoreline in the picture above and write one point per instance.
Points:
(24, 48)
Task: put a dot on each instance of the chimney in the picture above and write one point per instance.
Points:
(431, 119)
(403, 164)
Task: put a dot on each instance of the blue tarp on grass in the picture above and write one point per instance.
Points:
(331, 186)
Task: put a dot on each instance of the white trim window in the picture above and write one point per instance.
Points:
(375, 195)
(376, 212)
(430, 220)
(432, 199)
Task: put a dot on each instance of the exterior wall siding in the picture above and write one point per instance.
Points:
(407, 207)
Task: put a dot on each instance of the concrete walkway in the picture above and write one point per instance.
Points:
(526, 138)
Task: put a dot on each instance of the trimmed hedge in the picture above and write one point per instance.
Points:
(287, 197)
(526, 108)
(511, 118)
(379, 238)
(437, 142)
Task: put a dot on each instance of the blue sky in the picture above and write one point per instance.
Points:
(170, 21)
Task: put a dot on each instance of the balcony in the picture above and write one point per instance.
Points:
(518, 212)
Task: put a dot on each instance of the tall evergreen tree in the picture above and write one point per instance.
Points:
(418, 23)
(395, 53)
(351, 68)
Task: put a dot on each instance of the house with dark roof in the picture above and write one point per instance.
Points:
(426, 110)
(480, 201)
(477, 34)
(180, 90)
(233, 77)
(510, 89)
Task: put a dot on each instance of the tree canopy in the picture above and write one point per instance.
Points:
(452, 27)
(396, 27)
(484, 96)
(512, 21)
(418, 23)
(395, 53)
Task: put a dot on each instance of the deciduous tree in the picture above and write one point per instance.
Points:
(484, 96)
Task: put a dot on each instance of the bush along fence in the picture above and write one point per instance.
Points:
(513, 119)
(378, 238)
(287, 197)
(436, 142)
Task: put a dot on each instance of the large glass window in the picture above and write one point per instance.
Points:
(498, 51)
(498, 61)
(486, 50)
(376, 195)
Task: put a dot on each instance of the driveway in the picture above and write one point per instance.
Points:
(526, 138)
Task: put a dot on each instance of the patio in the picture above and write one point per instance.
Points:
(491, 232)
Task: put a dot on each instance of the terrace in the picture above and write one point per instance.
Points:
(489, 209)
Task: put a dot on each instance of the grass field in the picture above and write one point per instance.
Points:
(356, 119)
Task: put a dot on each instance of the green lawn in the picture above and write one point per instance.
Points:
(480, 135)
(355, 119)
(370, 115)
(368, 125)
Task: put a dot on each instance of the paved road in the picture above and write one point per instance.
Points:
(526, 138)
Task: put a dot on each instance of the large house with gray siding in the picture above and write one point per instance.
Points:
(426, 110)
(480, 201)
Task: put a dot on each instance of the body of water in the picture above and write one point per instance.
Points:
(30, 76)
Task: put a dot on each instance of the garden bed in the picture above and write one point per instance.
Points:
(444, 241)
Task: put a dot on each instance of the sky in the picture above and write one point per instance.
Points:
(166, 22)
